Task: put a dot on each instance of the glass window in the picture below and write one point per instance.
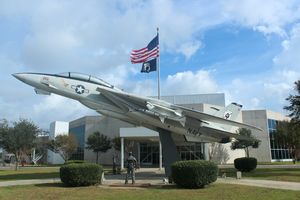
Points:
(86, 77)
(191, 152)
(269, 123)
(99, 81)
(79, 76)
(273, 154)
(65, 74)
(280, 154)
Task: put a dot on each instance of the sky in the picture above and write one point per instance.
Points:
(247, 49)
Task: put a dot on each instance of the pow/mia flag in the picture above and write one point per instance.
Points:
(149, 66)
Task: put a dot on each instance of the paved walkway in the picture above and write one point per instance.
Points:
(153, 177)
(297, 166)
(262, 183)
(28, 182)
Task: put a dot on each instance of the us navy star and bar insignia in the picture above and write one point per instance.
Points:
(79, 89)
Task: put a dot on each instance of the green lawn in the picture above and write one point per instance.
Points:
(29, 173)
(214, 191)
(53, 172)
(278, 163)
(276, 174)
(35, 173)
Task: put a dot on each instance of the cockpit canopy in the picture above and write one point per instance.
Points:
(85, 77)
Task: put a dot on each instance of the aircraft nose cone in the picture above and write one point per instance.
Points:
(20, 76)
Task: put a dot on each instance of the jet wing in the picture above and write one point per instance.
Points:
(127, 98)
(210, 118)
(165, 108)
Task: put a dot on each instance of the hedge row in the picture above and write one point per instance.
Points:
(194, 173)
(81, 174)
(245, 164)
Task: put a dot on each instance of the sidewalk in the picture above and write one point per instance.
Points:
(28, 182)
(155, 177)
(265, 166)
(262, 183)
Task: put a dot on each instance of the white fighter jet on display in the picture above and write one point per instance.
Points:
(168, 119)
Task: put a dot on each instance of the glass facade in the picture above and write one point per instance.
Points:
(194, 151)
(149, 152)
(78, 132)
(278, 150)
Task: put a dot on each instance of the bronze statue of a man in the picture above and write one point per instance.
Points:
(131, 164)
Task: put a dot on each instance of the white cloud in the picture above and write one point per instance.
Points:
(268, 90)
(146, 87)
(189, 49)
(76, 34)
(58, 108)
(262, 91)
(269, 16)
(96, 37)
(289, 57)
(188, 82)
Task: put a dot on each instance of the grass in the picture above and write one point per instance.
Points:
(29, 173)
(278, 163)
(214, 191)
(276, 174)
(25, 173)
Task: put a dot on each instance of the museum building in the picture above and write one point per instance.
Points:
(146, 146)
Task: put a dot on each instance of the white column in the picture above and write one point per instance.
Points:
(122, 153)
(205, 151)
(33, 154)
(160, 155)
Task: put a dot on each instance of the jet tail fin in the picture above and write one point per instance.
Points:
(229, 112)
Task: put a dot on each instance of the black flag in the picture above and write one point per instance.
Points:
(149, 66)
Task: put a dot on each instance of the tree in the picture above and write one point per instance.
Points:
(294, 101)
(128, 144)
(116, 142)
(98, 143)
(218, 153)
(245, 144)
(64, 145)
(18, 139)
(288, 134)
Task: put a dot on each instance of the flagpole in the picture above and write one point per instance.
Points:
(158, 69)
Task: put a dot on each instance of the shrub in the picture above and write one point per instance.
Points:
(194, 173)
(245, 164)
(74, 161)
(81, 174)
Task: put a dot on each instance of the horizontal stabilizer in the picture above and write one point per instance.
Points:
(210, 118)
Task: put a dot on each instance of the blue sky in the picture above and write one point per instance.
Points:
(247, 49)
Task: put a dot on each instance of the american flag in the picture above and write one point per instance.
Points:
(147, 53)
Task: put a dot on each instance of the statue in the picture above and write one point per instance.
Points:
(131, 164)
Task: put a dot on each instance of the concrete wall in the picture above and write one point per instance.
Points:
(111, 128)
(277, 116)
(215, 99)
(106, 126)
(57, 128)
(258, 118)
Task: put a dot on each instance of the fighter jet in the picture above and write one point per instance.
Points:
(166, 118)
